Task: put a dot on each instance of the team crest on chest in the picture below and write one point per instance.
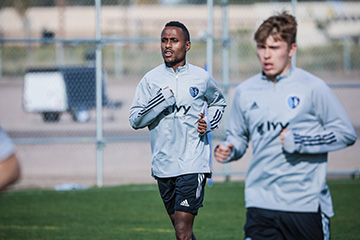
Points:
(292, 101)
(194, 91)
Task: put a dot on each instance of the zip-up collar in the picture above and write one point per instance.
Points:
(179, 69)
(280, 77)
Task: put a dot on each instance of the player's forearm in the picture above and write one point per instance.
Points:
(214, 117)
(322, 142)
(141, 117)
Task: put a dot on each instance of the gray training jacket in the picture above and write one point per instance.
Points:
(169, 104)
(294, 178)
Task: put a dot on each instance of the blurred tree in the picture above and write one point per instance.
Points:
(21, 8)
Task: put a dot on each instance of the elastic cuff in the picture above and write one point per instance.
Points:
(208, 124)
(289, 142)
(167, 93)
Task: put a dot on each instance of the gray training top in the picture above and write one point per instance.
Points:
(169, 104)
(293, 178)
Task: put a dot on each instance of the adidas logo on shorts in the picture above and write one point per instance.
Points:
(185, 203)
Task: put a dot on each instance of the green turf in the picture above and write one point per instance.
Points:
(136, 212)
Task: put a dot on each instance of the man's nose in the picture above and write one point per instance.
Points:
(168, 44)
(267, 53)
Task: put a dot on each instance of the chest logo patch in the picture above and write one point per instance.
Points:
(194, 91)
(293, 101)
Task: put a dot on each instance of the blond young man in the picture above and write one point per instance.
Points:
(293, 120)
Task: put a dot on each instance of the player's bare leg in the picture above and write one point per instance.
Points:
(183, 224)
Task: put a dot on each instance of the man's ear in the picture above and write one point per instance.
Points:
(292, 49)
(187, 46)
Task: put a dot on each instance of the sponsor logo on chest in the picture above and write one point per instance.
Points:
(271, 126)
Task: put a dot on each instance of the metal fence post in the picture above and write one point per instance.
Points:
(209, 36)
(0, 60)
(225, 66)
(293, 7)
(99, 125)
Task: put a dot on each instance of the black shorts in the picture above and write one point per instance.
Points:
(183, 193)
(281, 225)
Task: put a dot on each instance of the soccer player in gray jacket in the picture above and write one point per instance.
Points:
(179, 103)
(293, 120)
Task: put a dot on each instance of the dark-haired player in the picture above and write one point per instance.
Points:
(171, 100)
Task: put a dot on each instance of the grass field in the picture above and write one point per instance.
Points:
(136, 212)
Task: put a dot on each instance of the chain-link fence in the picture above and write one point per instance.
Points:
(54, 55)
